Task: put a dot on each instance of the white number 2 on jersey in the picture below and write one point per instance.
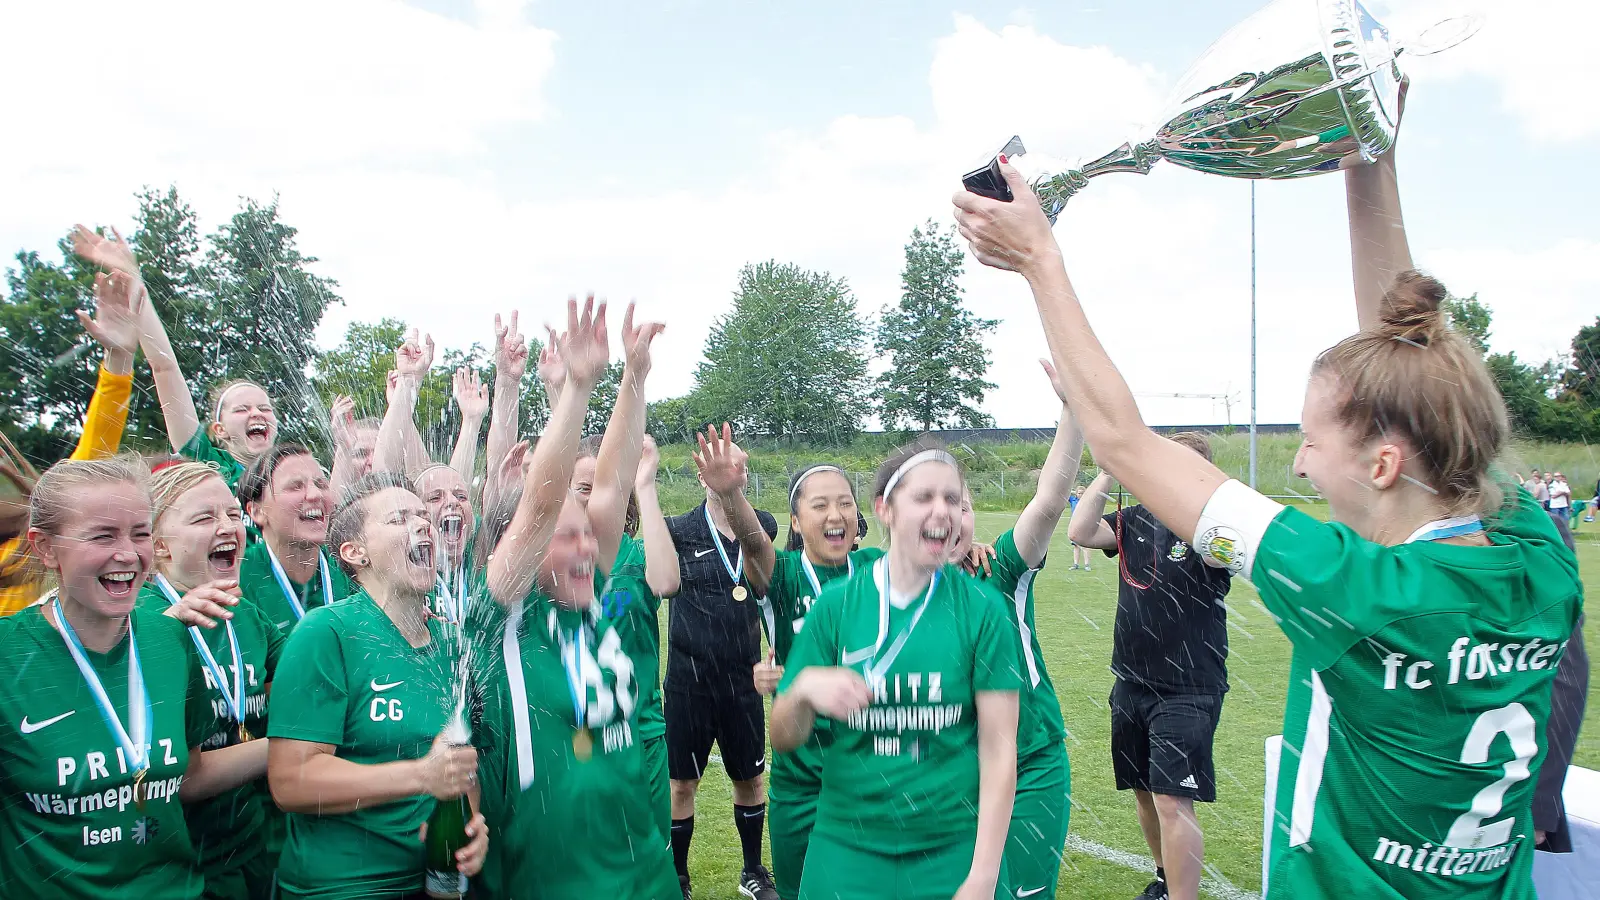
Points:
(1518, 726)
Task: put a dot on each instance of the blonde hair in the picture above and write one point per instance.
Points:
(53, 501)
(170, 482)
(1195, 441)
(221, 391)
(1415, 379)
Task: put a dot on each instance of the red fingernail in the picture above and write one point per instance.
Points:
(1002, 157)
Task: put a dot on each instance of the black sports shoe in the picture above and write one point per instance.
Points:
(757, 884)
(683, 882)
(1155, 890)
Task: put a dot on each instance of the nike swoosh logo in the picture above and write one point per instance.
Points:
(1023, 893)
(30, 727)
(700, 553)
(379, 688)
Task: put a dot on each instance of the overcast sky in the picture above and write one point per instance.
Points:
(447, 159)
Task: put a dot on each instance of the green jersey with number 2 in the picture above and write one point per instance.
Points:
(1418, 695)
(348, 678)
(906, 765)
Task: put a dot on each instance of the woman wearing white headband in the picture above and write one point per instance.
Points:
(1428, 617)
(823, 532)
(917, 665)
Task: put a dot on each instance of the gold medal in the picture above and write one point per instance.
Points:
(739, 593)
(138, 788)
(244, 734)
(582, 744)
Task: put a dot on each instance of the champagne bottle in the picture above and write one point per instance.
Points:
(447, 833)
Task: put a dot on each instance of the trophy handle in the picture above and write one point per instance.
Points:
(1055, 190)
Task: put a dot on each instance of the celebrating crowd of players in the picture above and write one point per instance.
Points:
(232, 674)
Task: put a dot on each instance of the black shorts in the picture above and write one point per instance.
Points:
(736, 722)
(1161, 741)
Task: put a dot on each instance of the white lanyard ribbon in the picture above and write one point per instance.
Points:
(235, 700)
(573, 650)
(511, 647)
(877, 665)
(136, 746)
(735, 570)
(1447, 528)
(288, 590)
(811, 572)
(453, 604)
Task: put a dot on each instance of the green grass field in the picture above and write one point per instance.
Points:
(1075, 615)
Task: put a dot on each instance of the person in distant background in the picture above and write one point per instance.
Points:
(1560, 497)
(1080, 555)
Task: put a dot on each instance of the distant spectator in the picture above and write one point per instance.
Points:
(1560, 498)
(1536, 486)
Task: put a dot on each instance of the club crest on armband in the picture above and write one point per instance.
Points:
(1221, 545)
(1178, 552)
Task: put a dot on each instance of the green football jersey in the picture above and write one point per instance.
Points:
(790, 596)
(231, 828)
(202, 449)
(1418, 696)
(350, 679)
(618, 595)
(907, 764)
(70, 823)
(1039, 722)
(258, 585)
(572, 814)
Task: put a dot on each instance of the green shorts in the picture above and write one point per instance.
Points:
(838, 871)
(655, 767)
(791, 813)
(1039, 822)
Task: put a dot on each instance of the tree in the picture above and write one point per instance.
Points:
(47, 363)
(266, 305)
(167, 243)
(935, 378)
(1583, 379)
(1471, 317)
(673, 421)
(789, 360)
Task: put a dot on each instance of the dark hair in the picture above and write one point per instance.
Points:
(1414, 378)
(796, 541)
(589, 448)
(902, 455)
(255, 481)
(350, 518)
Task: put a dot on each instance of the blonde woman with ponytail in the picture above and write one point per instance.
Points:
(1427, 617)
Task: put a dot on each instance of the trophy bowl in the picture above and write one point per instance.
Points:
(1287, 93)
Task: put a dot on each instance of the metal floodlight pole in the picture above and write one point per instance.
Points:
(1252, 335)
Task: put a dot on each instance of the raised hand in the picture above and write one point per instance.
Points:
(552, 369)
(1011, 235)
(585, 347)
(636, 343)
(342, 421)
(1055, 380)
(413, 358)
(471, 394)
(510, 471)
(510, 348)
(649, 464)
(721, 463)
(390, 382)
(111, 253)
(119, 302)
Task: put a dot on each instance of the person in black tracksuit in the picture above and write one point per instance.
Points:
(714, 642)
(1169, 655)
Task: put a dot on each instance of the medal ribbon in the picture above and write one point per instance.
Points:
(1447, 528)
(735, 570)
(288, 590)
(877, 665)
(137, 745)
(235, 701)
(811, 573)
(453, 605)
(573, 664)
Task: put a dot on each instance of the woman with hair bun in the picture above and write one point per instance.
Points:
(1427, 617)
(917, 666)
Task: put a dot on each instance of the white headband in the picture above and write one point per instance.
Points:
(917, 460)
(795, 491)
(224, 396)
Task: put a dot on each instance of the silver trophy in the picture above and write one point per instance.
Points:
(1242, 111)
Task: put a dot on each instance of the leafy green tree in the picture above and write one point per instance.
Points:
(673, 421)
(1583, 379)
(936, 376)
(266, 305)
(789, 360)
(48, 364)
(1471, 317)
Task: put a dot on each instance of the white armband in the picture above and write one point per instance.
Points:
(1231, 527)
